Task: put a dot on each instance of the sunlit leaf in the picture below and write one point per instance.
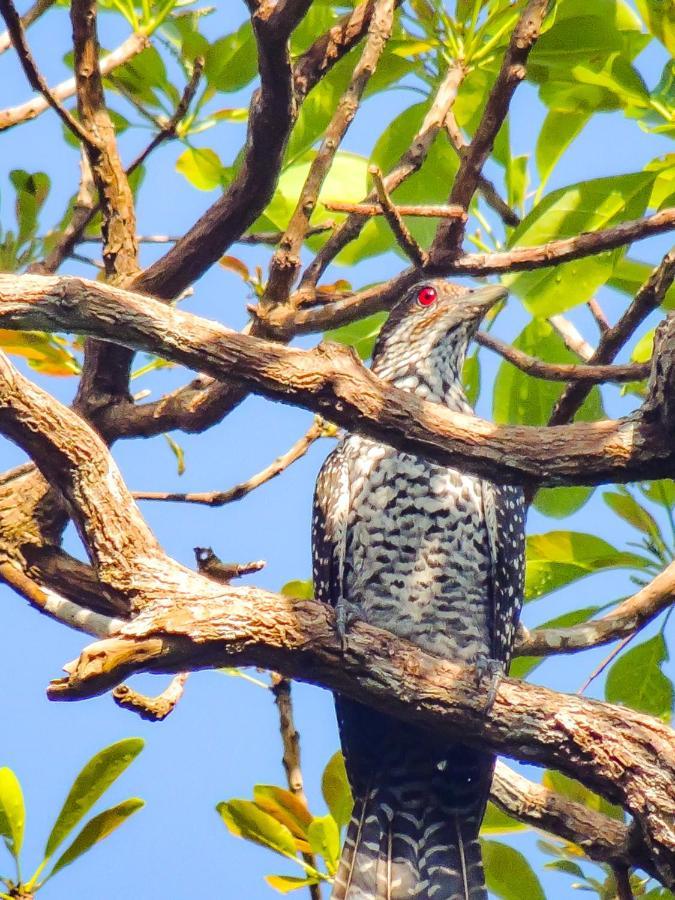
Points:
(496, 821)
(324, 839)
(97, 829)
(201, 167)
(286, 808)
(508, 875)
(626, 506)
(299, 590)
(231, 61)
(361, 335)
(12, 811)
(574, 790)
(236, 265)
(287, 883)
(178, 452)
(637, 679)
(95, 778)
(336, 790)
(245, 819)
(521, 666)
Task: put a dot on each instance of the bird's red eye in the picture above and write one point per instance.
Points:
(426, 296)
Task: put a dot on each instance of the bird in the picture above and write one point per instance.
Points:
(434, 555)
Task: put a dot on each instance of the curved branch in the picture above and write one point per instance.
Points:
(628, 617)
(182, 621)
(330, 380)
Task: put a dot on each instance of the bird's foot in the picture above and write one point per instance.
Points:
(486, 667)
(346, 614)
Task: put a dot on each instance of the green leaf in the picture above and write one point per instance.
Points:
(232, 62)
(508, 874)
(97, 829)
(287, 883)
(558, 131)
(662, 492)
(95, 778)
(517, 181)
(336, 790)
(586, 206)
(178, 452)
(286, 808)
(636, 679)
(659, 17)
(31, 193)
(643, 350)
(201, 167)
(45, 353)
(559, 502)
(558, 558)
(361, 335)
(471, 378)
(497, 822)
(627, 507)
(574, 790)
(324, 839)
(299, 590)
(12, 812)
(245, 819)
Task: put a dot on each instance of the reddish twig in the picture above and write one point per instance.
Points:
(392, 214)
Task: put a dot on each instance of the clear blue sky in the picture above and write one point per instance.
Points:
(222, 738)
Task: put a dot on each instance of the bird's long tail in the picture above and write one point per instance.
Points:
(417, 813)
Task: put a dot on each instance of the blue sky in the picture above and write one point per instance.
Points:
(222, 738)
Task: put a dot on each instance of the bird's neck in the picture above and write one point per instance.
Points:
(436, 377)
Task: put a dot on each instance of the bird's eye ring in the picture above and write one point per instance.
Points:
(426, 295)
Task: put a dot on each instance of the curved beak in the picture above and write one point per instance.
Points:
(486, 297)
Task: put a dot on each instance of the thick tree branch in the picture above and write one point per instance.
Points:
(330, 380)
(131, 47)
(601, 838)
(184, 621)
(449, 236)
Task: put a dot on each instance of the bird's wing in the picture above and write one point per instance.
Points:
(504, 507)
(329, 528)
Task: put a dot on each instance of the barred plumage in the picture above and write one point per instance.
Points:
(435, 556)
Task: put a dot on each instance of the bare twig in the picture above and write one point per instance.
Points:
(442, 211)
(647, 299)
(600, 668)
(131, 47)
(152, 709)
(409, 163)
(220, 498)
(598, 314)
(213, 567)
(32, 15)
(285, 263)
(35, 79)
(404, 238)
(563, 371)
(449, 236)
(572, 337)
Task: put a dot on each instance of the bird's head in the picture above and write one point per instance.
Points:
(422, 345)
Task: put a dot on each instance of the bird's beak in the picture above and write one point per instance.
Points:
(485, 298)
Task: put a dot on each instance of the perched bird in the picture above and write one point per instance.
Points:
(435, 556)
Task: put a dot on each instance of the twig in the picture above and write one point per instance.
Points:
(404, 238)
(213, 567)
(625, 620)
(563, 371)
(600, 668)
(485, 186)
(32, 15)
(598, 314)
(168, 131)
(403, 209)
(449, 235)
(285, 263)
(131, 47)
(624, 890)
(220, 498)
(290, 742)
(647, 299)
(572, 337)
(409, 163)
(152, 709)
(35, 79)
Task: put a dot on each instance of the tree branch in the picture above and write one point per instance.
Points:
(131, 47)
(449, 236)
(629, 616)
(330, 380)
(32, 15)
(35, 79)
(404, 238)
(181, 620)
